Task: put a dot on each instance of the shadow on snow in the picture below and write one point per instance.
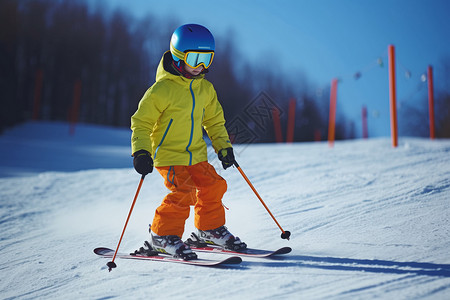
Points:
(358, 265)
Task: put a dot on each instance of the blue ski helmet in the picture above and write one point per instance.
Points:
(190, 37)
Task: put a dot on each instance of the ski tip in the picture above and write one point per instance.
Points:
(234, 260)
(102, 250)
(284, 250)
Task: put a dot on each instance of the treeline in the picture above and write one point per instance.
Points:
(47, 47)
(61, 61)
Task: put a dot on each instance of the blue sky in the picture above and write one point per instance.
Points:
(325, 39)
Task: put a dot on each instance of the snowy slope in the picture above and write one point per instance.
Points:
(367, 221)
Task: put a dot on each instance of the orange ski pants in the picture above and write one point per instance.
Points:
(197, 185)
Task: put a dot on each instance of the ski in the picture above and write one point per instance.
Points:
(200, 246)
(106, 252)
(249, 252)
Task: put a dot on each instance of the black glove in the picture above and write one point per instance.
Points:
(226, 156)
(143, 162)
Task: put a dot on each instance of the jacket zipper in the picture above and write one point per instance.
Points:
(192, 123)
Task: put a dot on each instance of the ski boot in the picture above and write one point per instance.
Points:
(220, 237)
(172, 245)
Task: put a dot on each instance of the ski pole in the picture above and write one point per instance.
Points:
(112, 264)
(284, 234)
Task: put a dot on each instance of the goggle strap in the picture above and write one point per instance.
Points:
(176, 52)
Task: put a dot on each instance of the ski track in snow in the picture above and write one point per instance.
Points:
(367, 220)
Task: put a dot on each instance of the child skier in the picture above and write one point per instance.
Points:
(168, 134)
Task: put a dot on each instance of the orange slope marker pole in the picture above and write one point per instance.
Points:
(332, 118)
(37, 94)
(277, 125)
(75, 109)
(392, 96)
(291, 121)
(431, 101)
(365, 130)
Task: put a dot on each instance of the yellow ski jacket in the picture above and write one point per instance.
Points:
(171, 116)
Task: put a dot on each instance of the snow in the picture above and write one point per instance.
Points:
(367, 220)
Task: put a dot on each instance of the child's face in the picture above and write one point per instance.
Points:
(193, 71)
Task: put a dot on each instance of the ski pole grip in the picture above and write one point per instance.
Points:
(236, 164)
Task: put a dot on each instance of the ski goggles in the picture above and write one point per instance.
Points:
(194, 59)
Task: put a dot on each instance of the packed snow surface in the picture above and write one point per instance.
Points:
(367, 220)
